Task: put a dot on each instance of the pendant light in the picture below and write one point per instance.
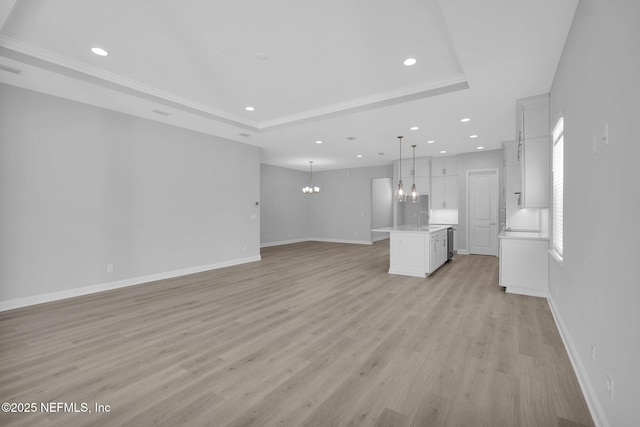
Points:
(311, 189)
(414, 196)
(400, 195)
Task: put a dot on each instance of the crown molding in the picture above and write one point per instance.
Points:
(396, 96)
(47, 60)
(41, 58)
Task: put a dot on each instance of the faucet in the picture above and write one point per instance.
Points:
(420, 217)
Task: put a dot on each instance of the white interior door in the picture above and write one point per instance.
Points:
(483, 211)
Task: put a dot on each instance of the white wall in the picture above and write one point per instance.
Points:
(381, 206)
(491, 159)
(596, 292)
(82, 187)
(341, 212)
(284, 207)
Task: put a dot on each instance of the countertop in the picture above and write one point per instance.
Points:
(412, 229)
(523, 235)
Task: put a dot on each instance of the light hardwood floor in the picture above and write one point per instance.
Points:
(315, 334)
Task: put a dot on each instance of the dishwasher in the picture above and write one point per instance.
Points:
(450, 231)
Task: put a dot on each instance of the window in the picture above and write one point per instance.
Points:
(557, 169)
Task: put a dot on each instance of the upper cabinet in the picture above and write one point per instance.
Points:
(532, 127)
(421, 173)
(441, 166)
(421, 167)
(444, 183)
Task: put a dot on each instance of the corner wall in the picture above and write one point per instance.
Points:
(341, 212)
(82, 187)
(595, 294)
(284, 207)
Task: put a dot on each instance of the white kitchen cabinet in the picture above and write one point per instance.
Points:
(416, 252)
(524, 265)
(438, 249)
(422, 167)
(441, 166)
(422, 174)
(444, 183)
(532, 126)
(444, 192)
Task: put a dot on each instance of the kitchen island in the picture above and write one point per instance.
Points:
(416, 251)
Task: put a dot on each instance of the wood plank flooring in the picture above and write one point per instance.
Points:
(315, 334)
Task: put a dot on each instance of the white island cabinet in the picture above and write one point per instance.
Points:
(415, 251)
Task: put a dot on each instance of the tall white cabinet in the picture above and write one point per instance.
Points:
(532, 130)
(524, 243)
(444, 183)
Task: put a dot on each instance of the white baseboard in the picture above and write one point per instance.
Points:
(595, 408)
(542, 293)
(377, 239)
(353, 242)
(85, 290)
(282, 242)
(320, 239)
(462, 252)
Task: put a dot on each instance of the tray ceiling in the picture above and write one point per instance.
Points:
(316, 70)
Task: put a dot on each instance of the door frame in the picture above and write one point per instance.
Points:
(468, 207)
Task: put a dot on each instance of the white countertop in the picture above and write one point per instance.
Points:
(412, 229)
(526, 235)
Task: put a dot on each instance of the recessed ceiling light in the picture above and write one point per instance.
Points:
(473, 136)
(351, 138)
(249, 108)
(359, 155)
(443, 151)
(465, 120)
(318, 142)
(409, 62)
(415, 128)
(380, 154)
(430, 142)
(480, 148)
(99, 51)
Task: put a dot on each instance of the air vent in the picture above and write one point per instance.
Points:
(162, 113)
(351, 138)
(10, 69)
(246, 135)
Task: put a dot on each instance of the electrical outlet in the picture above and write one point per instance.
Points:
(593, 354)
(109, 268)
(610, 385)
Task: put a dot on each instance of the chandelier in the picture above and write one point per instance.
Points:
(311, 189)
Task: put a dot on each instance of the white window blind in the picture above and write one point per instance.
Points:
(558, 188)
